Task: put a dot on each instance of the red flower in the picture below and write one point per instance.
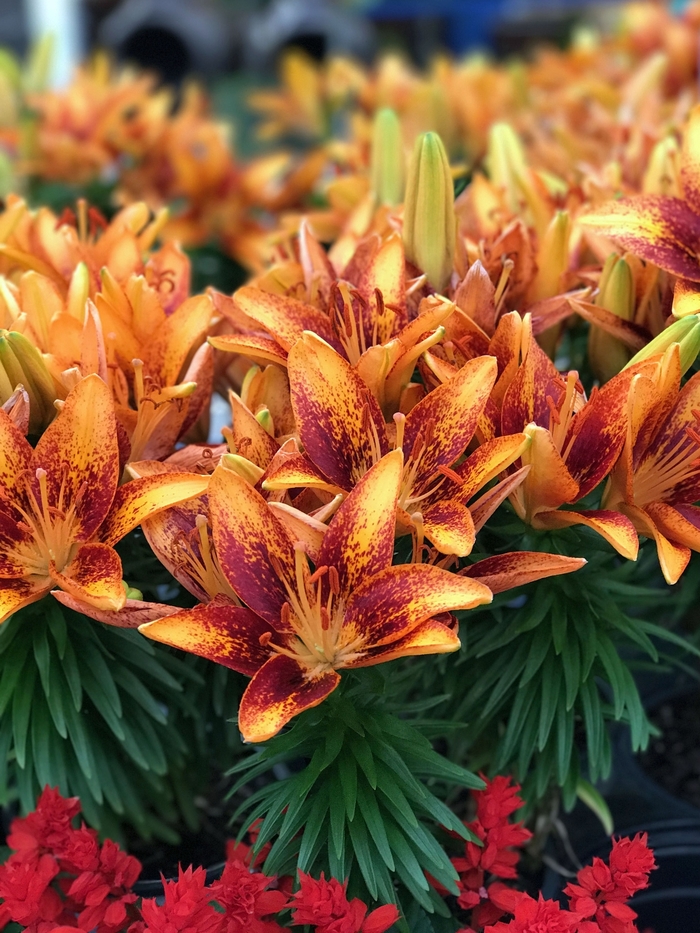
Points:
(104, 892)
(497, 801)
(602, 890)
(325, 905)
(47, 828)
(186, 908)
(244, 896)
(26, 888)
(539, 916)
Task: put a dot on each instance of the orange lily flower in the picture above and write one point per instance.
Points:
(61, 509)
(574, 442)
(302, 627)
(343, 434)
(364, 316)
(661, 229)
(657, 478)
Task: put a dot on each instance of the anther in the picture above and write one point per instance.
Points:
(317, 574)
(334, 580)
(265, 639)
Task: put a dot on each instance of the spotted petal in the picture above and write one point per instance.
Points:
(279, 691)
(339, 421)
(487, 461)
(80, 453)
(219, 631)
(447, 417)
(506, 571)
(254, 346)
(429, 637)
(93, 576)
(360, 539)
(449, 526)
(137, 500)
(168, 348)
(616, 528)
(391, 604)
(135, 612)
(14, 594)
(254, 549)
(285, 318)
(660, 229)
(250, 437)
(673, 558)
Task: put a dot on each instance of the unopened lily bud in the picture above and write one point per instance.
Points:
(22, 364)
(552, 259)
(506, 163)
(388, 172)
(429, 225)
(608, 354)
(246, 469)
(663, 174)
(264, 419)
(78, 292)
(685, 332)
(131, 591)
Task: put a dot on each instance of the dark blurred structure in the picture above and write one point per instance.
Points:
(173, 37)
(320, 27)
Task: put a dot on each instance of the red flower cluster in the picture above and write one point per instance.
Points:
(59, 875)
(60, 880)
(488, 899)
(324, 904)
(597, 902)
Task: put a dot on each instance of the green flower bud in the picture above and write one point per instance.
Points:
(387, 169)
(608, 354)
(22, 364)
(685, 332)
(429, 224)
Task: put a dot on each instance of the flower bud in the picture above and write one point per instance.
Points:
(22, 364)
(685, 332)
(609, 355)
(663, 174)
(505, 160)
(264, 419)
(246, 469)
(387, 158)
(429, 225)
(552, 259)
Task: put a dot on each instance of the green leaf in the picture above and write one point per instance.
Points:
(559, 623)
(571, 663)
(93, 663)
(363, 854)
(347, 770)
(337, 824)
(596, 803)
(373, 818)
(615, 671)
(565, 742)
(138, 692)
(57, 626)
(539, 648)
(72, 675)
(42, 655)
(364, 757)
(506, 681)
(593, 721)
(21, 710)
(94, 690)
(59, 697)
(13, 664)
(319, 815)
(551, 680)
(394, 796)
(40, 727)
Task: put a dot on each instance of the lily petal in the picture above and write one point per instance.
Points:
(80, 453)
(429, 637)
(506, 571)
(14, 594)
(219, 631)
(137, 500)
(680, 524)
(285, 318)
(487, 461)
(296, 470)
(303, 528)
(360, 539)
(391, 604)
(483, 508)
(549, 483)
(660, 229)
(135, 612)
(447, 417)
(254, 346)
(279, 691)
(673, 558)
(250, 437)
(93, 576)
(448, 525)
(616, 528)
(338, 419)
(252, 545)
(169, 347)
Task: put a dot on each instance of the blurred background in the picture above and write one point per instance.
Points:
(214, 38)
